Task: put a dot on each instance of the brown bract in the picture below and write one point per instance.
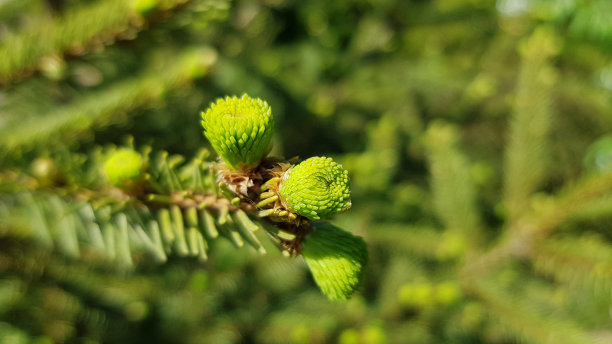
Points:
(262, 183)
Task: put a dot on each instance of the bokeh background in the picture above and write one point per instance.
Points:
(474, 132)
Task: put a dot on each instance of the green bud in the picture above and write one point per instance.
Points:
(416, 294)
(336, 259)
(45, 170)
(448, 293)
(240, 130)
(316, 188)
(124, 166)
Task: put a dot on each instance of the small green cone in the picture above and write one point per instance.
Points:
(124, 167)
(46, 171)
(240, 130)
(336, 259)
(316, 188)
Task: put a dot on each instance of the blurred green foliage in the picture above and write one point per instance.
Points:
(471, 130)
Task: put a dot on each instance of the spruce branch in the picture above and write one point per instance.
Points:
(100, 108)
(158, 215)
(535, 227)
(102, 21)
(291, 197)
(419, 240)
(525, 321)
(570, 201)
(11, 9)
(453, 190)
(584, 261)
(527, 152)
(121, 201)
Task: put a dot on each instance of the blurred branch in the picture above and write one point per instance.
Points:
(10, 9)
(527, 152)
(421, 241)
(454, 193)
(101, 21)
(100, 108)
(582, 261)
(570, 201)
(533, 228)
(524, 320)
(181, 213)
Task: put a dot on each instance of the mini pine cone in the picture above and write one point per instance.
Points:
(240, 130)
(316, 188)
(336, 259)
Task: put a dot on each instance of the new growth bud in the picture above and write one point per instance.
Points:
(316, 188)
(240, 130)
(124, 167)
(336, 259)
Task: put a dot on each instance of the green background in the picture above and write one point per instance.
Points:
(472, 131)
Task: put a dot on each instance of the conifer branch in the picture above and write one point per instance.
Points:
(165, 217)
(454, 193)
(527, 152)
(525, 321)
(570, 201)
(534, 227)
(120, 200)
(11, 9)
(100, 108)
(584, 261)
(423, 241)
(102, 21)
